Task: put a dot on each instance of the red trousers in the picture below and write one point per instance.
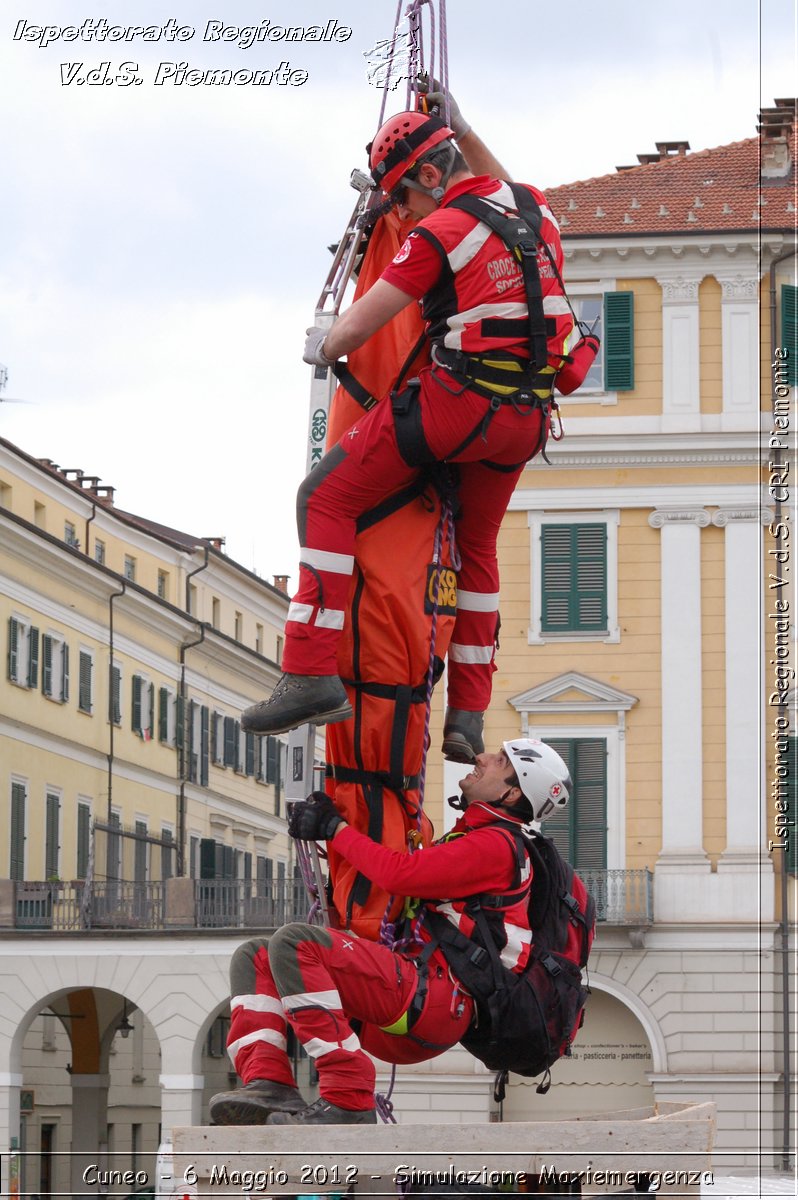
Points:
(317, 979)
(362, 470)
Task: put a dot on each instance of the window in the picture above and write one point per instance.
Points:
(167, 716)
(99, 551)
(259, 639)
(85, 681)
(19, 797)
(238, 627)
(55, 668)
(51, 835)
(230, 742)
(143, 709)
(70, 535)
(83, 836)
(789, 330)
(5, 494)
(574, 578)
(39, 515)
(163, 585)
(215, 612)
(130, 568)
(263, 876)
(113, 857)
(580, 829)
(23, 652)
(217, 739)
(278, 653)
(198, 743)
(589, 309)
(191, 600)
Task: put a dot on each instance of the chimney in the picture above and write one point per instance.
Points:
(672, 149)
(775, 136)
(217, 543)
(281, 583)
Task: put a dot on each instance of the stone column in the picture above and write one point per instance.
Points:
(740, 350)
(181, 1102)
(745, 855)
(682, 855)
(681, 402)
(89, 1126)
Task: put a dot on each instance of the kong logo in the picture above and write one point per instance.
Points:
(444, 581)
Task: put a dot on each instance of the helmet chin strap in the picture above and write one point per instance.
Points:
(437, 193)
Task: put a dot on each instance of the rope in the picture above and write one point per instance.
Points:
(309, 880)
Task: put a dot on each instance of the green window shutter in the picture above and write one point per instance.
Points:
(64, 672)
(228, 862)
(180, 714)
(229, 742)
(619, 365)
(33, 657)
(84, 833)
(789, 330)
(115, 695)
(249, 754)
(84, 682)
(574, 578)
(247, 867)
(17, 861)
(13, 649)
(238, 765)
(140, 854)
(216, 749)
(163, 714)
(207, 858)
(193, 748)
(790, 795)
(580, 829)
(263, 875)
(51, 831)
(204, 745)
(167, 855)
(150, 710)
(272, 761)
(136, 715)
(47, 665)
(113, 855)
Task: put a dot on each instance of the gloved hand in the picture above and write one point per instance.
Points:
(581, 356)
(315, 819)
(437, 97)
(314, 348)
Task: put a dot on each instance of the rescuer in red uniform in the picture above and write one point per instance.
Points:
(408, 1004)
(497, 320)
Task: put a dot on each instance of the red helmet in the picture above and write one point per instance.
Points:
(401, 142)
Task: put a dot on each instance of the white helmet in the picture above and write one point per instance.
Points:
(542, 775)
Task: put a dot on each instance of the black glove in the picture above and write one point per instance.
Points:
(315, 819)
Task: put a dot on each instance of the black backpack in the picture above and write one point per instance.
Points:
(525, 1021)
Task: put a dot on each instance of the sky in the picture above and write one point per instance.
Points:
(163, 246)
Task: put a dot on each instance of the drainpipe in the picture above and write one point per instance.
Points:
(181, 796)
(88, 523)
(111, 725)
(782, 713)
(191, 575)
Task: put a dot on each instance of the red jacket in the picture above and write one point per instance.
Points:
(482, 861)
(475, 280)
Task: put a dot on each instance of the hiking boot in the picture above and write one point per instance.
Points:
(253, 1103)
(324, 1113)
(462, 735)
(297, 700)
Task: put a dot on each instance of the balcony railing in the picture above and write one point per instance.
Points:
(127, 904)
(622, 897)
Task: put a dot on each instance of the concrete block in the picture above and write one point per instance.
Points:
(8, 904)
(179, 909)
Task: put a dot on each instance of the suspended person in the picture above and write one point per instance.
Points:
(497, 320)
(408, 1004)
